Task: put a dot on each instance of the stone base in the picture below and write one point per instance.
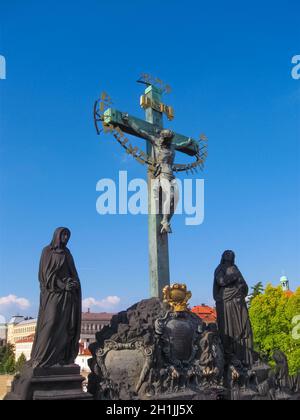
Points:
(55, 383)
(189, 395)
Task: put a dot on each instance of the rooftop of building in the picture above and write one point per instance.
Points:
(27, 322)
(95, 316)
(18, 319)
(206, 313)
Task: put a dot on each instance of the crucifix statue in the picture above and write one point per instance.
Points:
(164, 187)
(162, 145)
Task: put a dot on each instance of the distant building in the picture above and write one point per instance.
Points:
(93, 323)
(83, 356)
(285, 284)
(20, 327)
(3, 334)
(206, 313)
(24, 346)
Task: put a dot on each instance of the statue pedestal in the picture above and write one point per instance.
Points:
(151, 352)
(54, 383)
(189, 395)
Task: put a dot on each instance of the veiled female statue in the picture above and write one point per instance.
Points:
(59, 321)
(230, 291)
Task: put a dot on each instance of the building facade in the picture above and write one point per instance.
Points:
(24, 346)
(19, 328)
(91, 324)
(3, 333)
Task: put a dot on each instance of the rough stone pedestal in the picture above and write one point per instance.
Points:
(154, 352)
(54, 383)
(209, 394)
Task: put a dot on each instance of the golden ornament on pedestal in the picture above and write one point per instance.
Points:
(177, 297)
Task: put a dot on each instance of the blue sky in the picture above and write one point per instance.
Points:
(229, 64)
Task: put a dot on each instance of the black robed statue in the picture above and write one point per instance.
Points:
(59, 321)
(230, 292)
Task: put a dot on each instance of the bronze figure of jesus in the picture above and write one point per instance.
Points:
(165, 184)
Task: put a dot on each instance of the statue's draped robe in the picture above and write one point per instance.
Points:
(59, 321)
(230, 291)
(283, 381)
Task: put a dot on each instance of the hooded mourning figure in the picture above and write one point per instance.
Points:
(282, 378)
(283, 381)
(230, 291)
(59, 321)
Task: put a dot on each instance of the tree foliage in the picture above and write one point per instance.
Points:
(272, 314)
(20, 363)
(257, 290)
(7, 360)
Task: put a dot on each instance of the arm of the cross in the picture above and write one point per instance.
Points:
(130, 125)
(137, 129)
(190, 143)
(182, 143)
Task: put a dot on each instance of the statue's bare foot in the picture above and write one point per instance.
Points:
(166, 228)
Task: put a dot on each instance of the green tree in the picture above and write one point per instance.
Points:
(272, 315)
(257, 290)
(7, 359)
(2, 354)
(10, 365)
(20, 363)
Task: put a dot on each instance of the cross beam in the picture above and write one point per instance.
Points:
(114, 117)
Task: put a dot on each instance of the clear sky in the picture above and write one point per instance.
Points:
(229, 63)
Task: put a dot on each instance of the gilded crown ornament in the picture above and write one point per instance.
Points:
(177, 296)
